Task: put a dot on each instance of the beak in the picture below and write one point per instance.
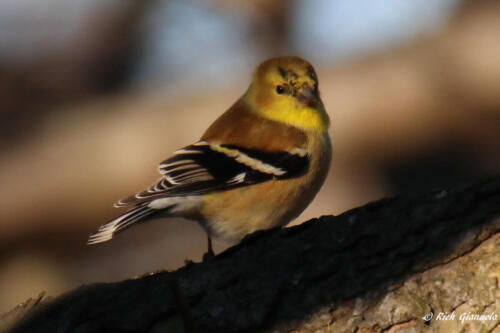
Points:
(309, 95)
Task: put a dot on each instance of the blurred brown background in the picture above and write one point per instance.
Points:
(94, 94)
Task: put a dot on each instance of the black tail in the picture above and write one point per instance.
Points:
(108, 230)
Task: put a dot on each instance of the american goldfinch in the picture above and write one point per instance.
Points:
(258, 166)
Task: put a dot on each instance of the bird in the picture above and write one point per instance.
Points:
(257, 166)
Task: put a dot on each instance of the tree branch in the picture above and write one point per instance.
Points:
(380, 267)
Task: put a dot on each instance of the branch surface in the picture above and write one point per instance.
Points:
(379, 267)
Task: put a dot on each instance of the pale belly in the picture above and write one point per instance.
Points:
(232, 214)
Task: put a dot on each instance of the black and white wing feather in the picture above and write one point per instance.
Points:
(203, 167)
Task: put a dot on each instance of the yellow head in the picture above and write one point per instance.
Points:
(285, 89)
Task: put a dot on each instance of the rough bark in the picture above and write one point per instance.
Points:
(380, 267)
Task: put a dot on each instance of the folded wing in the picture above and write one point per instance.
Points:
(203, 167)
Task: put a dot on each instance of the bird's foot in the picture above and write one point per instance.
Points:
(208, 255)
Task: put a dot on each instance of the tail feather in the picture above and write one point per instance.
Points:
(108, 230)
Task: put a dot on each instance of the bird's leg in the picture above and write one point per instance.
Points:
(210, 251)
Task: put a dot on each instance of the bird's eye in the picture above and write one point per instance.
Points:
(280, 89)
